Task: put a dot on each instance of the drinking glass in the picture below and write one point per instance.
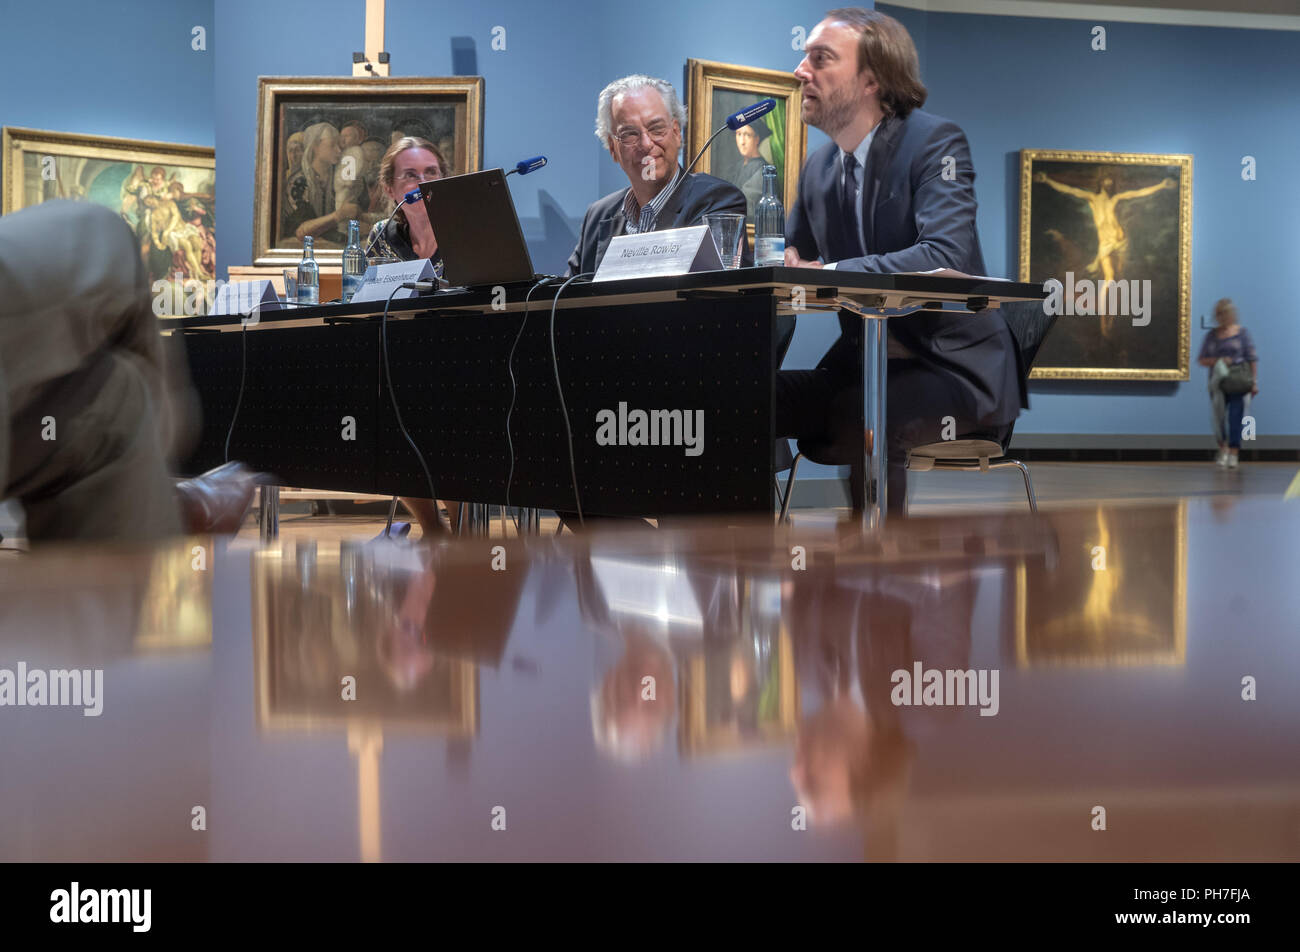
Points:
(727, 229)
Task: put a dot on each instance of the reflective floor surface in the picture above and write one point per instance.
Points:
(1107, 683)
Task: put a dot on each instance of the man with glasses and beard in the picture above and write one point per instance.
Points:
(894, 191)
(639, 120)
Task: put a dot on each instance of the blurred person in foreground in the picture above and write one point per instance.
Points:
(94, 402)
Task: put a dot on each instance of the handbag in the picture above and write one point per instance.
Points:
(1239, 380)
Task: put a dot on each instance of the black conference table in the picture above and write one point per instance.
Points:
(320, 396)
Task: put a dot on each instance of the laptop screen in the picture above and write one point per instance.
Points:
(474, 219)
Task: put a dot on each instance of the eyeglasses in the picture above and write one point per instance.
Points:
(411, 175)
(658, 131)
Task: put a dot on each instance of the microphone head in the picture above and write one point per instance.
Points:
(530, 165)
(412, 196)
(750, 113)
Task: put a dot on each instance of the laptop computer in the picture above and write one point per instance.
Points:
(478, 231)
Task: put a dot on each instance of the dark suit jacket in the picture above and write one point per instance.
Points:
(696, 197)
(913, 219)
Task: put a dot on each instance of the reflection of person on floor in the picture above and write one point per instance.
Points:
(631, 716)
(853, 756)
(401, 647)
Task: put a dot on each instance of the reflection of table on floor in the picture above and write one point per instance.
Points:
(185, 726)
(302, 393)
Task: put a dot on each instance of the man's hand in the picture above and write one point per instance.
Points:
(792, 260)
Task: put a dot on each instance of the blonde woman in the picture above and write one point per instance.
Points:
(408, 235)
(1230, 354)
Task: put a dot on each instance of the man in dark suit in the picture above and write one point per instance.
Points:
(894, 191)
(639, 120)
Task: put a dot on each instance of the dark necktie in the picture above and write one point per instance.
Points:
(850, 202)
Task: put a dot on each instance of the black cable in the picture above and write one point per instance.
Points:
(555, 364)
(510, 366)
(243, 371)
(383, 336)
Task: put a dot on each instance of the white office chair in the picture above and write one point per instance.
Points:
(972, 456)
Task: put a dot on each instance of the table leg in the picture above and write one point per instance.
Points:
(875, 368)
(269, 512)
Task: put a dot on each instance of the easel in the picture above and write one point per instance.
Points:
(374, 59)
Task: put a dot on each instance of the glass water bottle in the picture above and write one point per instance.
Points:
(769, 225)
(354, 262)
(308, 274)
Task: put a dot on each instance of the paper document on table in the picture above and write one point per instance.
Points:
(950, 273)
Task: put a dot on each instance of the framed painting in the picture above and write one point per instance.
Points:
(165, 192)
(740, 695)
(1114, 231)
(319, 145)
(780, 139)
(319, 618)
(1117, 603)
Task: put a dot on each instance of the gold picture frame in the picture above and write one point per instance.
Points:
(132, 177)
(1087, 218)
(289, 615)
(1103, 606)
(708, 721)
(446, 110)
(716, 90)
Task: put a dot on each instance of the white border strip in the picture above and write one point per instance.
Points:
(1097, 12)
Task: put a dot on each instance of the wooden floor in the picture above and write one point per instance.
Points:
(332, 702)
(1056, 485)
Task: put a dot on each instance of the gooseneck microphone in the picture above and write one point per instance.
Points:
(734, 121)
(411, 196)
(528, 165)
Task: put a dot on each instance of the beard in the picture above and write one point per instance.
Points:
(833, 111)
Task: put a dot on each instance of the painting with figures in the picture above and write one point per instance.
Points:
(320, 148)
(164, 192)
(778, 139)
(1114, 230)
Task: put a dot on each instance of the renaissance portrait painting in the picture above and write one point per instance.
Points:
(320, 146)
(778, 139)
(165, 193)
(1114, 229)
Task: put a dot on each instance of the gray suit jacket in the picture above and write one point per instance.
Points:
(695, 197)
(918, 213)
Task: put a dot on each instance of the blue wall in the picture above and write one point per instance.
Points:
(1217, 94)
(1011, 82)
(539, 92)
(113, 69)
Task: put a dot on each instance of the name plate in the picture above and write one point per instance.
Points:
(242, 297)
(380, 279)
(659, 253)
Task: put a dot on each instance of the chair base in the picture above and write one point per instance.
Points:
(921, 464)
(982, 465)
